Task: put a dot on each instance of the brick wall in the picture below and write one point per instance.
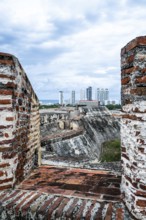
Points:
(19, 123)
(133, 131)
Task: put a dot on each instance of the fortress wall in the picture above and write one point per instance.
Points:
(133, 129)
(19, 123)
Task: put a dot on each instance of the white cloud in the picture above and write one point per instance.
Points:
(70, 44)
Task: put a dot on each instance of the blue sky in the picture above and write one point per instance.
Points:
(70, 44)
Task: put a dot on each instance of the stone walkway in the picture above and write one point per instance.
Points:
(65, 193)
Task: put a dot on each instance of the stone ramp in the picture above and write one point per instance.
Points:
(33, 205)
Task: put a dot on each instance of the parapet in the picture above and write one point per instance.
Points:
(133, 130)
(19, 123)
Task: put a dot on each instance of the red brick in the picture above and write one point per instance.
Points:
(18, 206)
(140, 193)
(6, 187)
(7, 76)
(119, 214)
(27, 205)
(130, 58)
(129, 70)
(9, 118)
(141, 80)
(14, 201)
(10, 196)
(70, 211)
(11, 85)
(88, 214)
(61, 207)
(3, 165)
(5, 101)
(136, 42)
(80, 212)
(138, 91)
(53, 207)
(143, 70)
(109, 212)
(6, 180)
(6, 92)
(5, 127)
(141, 203)
(125, 81)
(142, 187)
(131, 45)
(6, 62)
(6, 135)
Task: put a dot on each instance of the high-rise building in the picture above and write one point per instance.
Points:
(73, 97)
(106, 94)
(82, 94)
(102, 95)
(98, 94)
(61, 97)
(89, 93)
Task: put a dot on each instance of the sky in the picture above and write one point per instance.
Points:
(70, 44)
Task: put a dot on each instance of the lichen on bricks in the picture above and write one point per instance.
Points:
(19, 123)
(133, 126)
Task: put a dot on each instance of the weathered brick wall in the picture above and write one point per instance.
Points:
(19, 123)
(133, 131)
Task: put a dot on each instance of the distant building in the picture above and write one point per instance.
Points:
(97, 95)
(73, 98)
(89, 103)
(106, 97)
(82, 94)
(113, 102)
(61, 97)
(89, 93)
(102, 95)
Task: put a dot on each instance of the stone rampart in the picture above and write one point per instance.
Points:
(19, 123)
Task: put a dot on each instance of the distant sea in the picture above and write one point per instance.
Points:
(49, 102)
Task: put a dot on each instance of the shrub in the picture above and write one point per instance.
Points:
(111, 151)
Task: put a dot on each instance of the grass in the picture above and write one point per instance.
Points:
(49, 106)
(111, 151)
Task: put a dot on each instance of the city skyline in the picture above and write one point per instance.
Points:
(100, 94)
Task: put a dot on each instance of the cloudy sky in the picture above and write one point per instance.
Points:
(70, 44)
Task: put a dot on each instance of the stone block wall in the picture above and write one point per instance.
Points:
(133, 130)
(19, 123)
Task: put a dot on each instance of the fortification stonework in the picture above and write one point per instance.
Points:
(133, 130)
(19, 123)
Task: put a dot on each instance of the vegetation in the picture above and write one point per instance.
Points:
(49, 106)
(113, 107)
(111, 151)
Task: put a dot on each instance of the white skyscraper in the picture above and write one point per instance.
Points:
(106, 97)
(102, 95)
(98, 94)
(61, 97)
(73, 97)
(82, 94)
